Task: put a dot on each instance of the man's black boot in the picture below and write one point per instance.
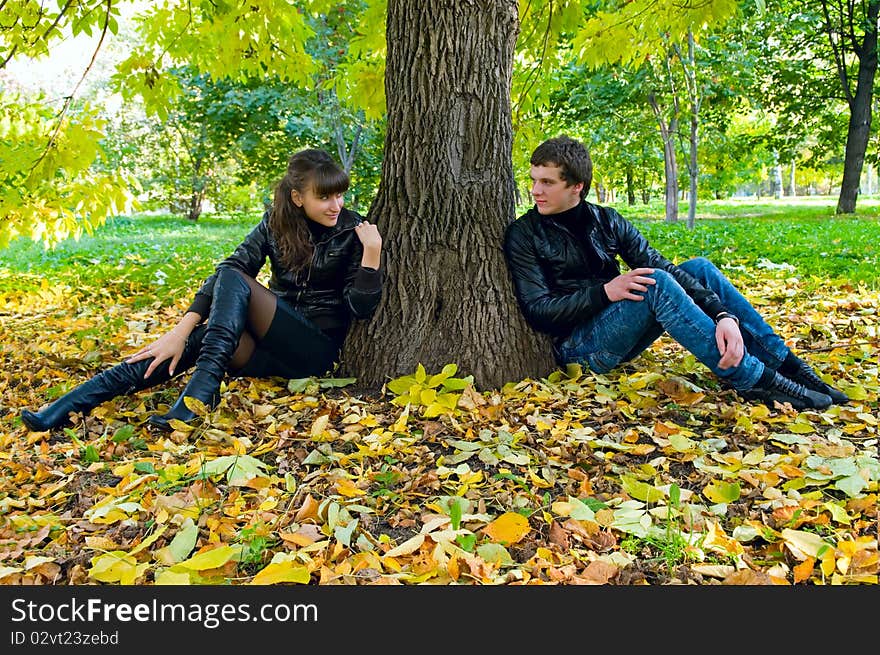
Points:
(121, 379)
(773, 386)
(797, 370)
(224, 327)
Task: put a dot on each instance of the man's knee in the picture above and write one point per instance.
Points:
(665, 288)
(662, 281)
(698, 266)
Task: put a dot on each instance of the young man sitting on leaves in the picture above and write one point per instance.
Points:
(562, 256)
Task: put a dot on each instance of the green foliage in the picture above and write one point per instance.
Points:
(386, 478)
(220, 39)
(807, 240)
(228, 140)
(635, 31)
(164, 257)
(27, 27)
(262, 80)
(673, 546)
(46, 189)
(72, 188)
(359, 78)
(256, 544)
(436, 394)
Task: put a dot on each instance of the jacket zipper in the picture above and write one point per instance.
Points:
(312, 261)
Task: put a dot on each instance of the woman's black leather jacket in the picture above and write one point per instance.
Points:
(331, 292)
(552, 278)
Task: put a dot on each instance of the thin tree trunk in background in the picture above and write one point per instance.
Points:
(689, 68)
(777, 177)
(197, 193)
(670, 166)
(792, 186)
(347, 153)
(630, 186)
(445, 197)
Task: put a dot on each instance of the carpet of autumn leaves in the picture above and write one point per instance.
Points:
(650, 475)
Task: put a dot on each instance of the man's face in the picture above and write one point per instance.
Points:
(550, 191)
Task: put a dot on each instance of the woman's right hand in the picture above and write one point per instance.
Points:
(169, 346)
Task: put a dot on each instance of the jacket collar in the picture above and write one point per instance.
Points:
(347, 221)
(543, 221)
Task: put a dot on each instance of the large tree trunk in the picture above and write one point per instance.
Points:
(445, 197)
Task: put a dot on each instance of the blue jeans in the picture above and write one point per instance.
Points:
(627, 327)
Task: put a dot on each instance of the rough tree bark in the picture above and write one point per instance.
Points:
(445, 197)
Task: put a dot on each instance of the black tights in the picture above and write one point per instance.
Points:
(261, 311)
(278, 341)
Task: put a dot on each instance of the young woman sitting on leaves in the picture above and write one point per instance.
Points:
(325, 264)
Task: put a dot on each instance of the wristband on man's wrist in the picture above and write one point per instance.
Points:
(721, 315)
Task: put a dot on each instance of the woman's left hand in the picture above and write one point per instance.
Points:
(169, 346)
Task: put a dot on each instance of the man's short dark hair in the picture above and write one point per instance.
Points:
(571, 156)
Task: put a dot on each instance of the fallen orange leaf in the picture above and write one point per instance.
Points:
(508, 528)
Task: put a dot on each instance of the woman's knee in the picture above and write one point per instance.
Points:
(243, 352)
(230, 273)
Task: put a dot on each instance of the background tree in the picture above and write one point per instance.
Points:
(607, 110)
(820, 81)
(851, 28)
(659, 35)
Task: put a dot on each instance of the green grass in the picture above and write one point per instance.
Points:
(139, 254)
(169, 256)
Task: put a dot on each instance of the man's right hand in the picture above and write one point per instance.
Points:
(630, 285)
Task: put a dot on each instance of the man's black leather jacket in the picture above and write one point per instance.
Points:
(331, 292)
(552, 279)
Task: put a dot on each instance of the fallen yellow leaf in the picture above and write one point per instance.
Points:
(509, 528)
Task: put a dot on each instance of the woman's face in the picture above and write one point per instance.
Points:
(323, 209)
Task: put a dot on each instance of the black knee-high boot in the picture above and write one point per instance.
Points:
(122, 379)
(225, 325)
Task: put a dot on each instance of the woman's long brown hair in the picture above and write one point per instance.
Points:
(306, 169)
